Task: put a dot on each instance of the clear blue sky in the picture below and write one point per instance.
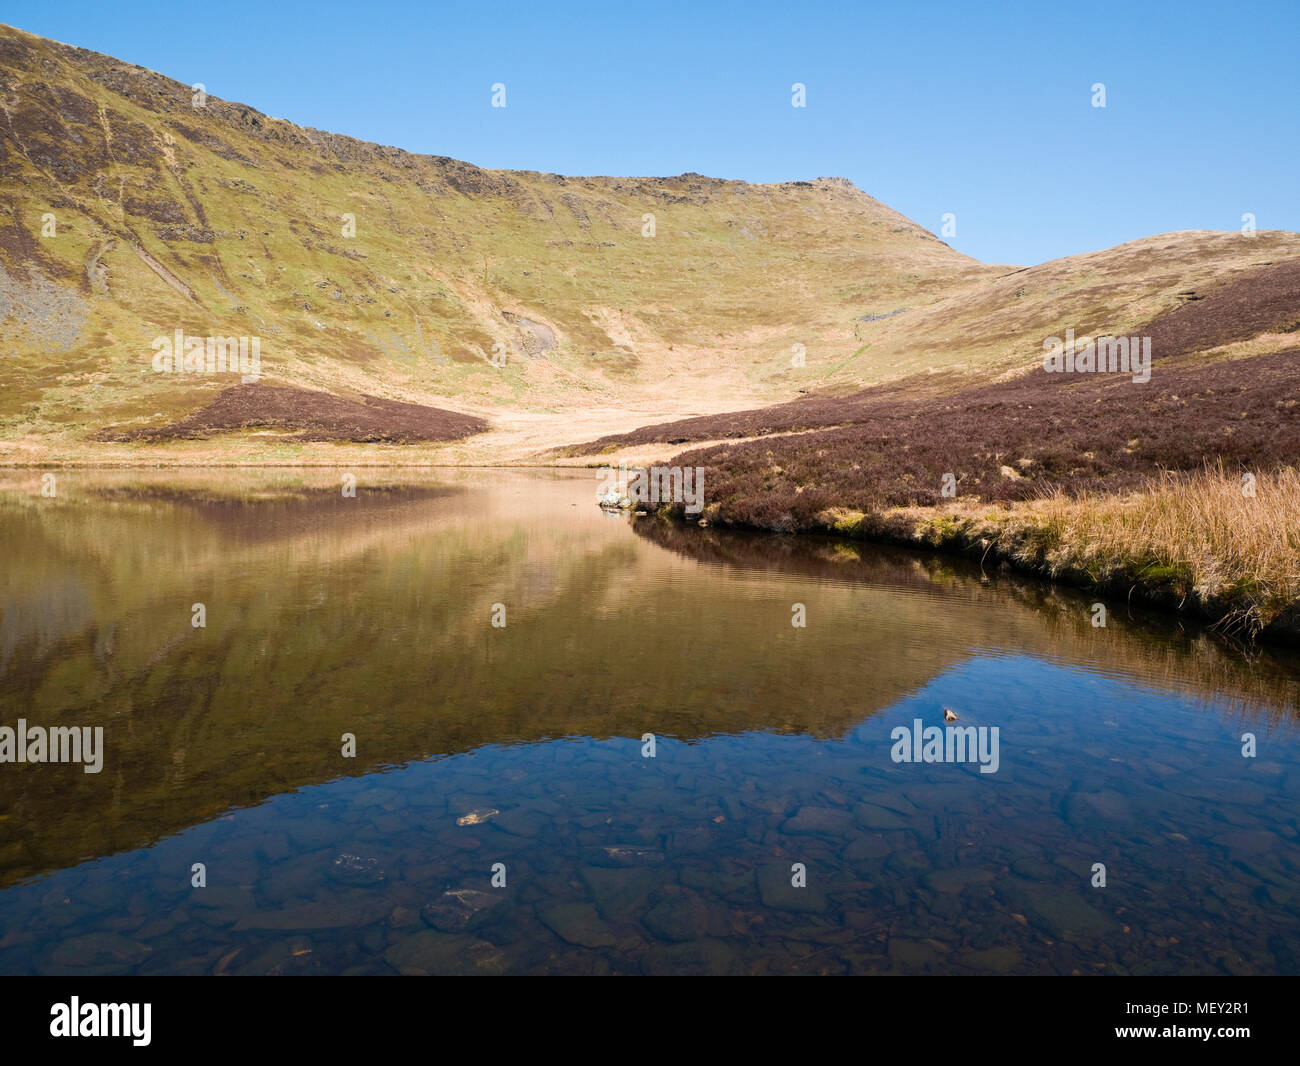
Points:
(982, 110)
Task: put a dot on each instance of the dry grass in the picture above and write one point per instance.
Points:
(1198, 530)
(1188, 541)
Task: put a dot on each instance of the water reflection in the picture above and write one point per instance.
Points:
(373, 616)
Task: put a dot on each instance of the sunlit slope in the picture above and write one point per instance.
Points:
(999, 326)
(127, 213)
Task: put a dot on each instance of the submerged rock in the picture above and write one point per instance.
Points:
(292, 956)
(703, 958)
(627, 855)
(477, 816)
(341, 910)
(677, 917)
(1062, 911)
(776, 891)
(618, 890)
(349, 869)
(955, 879)
(914, 954)
(521, 822)
(298, 876)
(869, 816)
(1084, 808)
(827, 820)
(1035, 869)
(461, 908)
(431, 953)
(95, 954)
(736, 882)
(866, 848)
(576, 923)
(1002, 959)
(403, 918)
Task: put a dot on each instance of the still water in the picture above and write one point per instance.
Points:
(521, 752)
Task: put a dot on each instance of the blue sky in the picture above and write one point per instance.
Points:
(984, 111)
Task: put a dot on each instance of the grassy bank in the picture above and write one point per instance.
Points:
(1191, 542)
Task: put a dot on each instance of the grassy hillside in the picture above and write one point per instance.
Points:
(130, 209)
(222, 221)
(1181, 487)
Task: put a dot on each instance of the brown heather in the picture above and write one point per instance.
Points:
(1098, 481)
(1265, 303)
(311, 416)
(1014, 441)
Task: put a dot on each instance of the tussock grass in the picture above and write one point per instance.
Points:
(1236, 554)
(1189, 541)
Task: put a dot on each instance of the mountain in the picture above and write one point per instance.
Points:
(378, 288)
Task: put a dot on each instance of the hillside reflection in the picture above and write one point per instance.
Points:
(373, 615)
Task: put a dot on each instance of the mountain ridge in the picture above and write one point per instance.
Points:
(613, 301)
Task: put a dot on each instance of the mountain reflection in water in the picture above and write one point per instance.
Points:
(372, 616)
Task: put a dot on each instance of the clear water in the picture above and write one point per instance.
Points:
(373, 616)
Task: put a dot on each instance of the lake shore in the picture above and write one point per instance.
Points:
(1193, 543)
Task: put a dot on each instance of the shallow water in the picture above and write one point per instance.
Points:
(372, 616)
